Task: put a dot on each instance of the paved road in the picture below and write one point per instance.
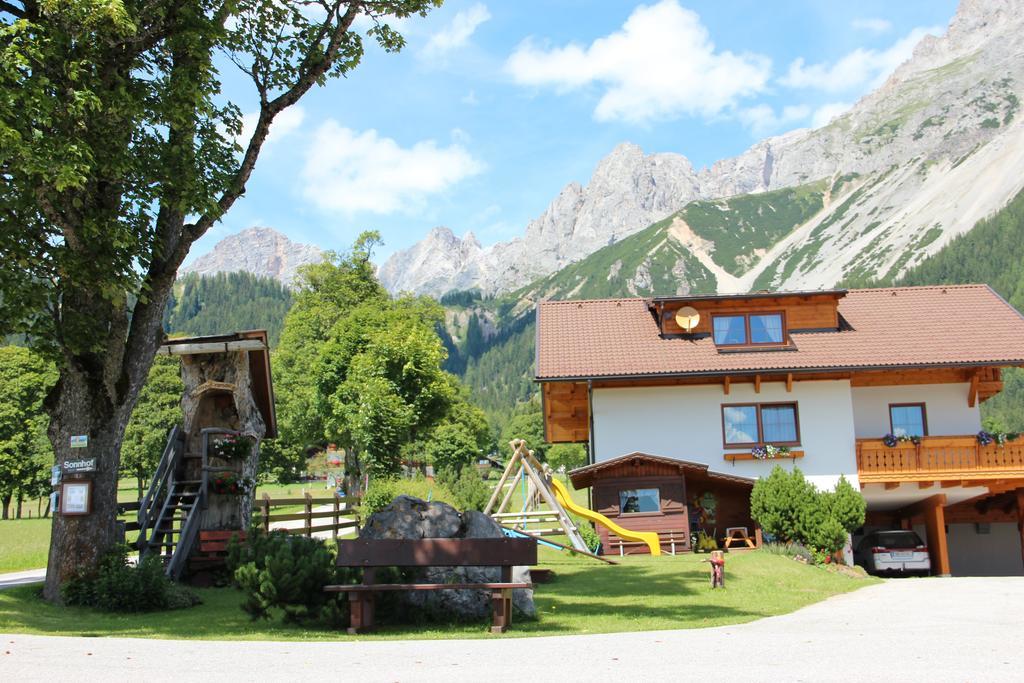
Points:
(966, 629)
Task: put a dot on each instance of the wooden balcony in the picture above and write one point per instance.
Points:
(939, 458)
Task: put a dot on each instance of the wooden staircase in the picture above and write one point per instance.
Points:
(170, 514)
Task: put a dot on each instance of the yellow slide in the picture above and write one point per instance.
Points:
(648, 537)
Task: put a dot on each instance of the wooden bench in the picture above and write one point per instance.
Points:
(433, 552)
(674, 540)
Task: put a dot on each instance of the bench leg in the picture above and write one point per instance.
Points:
(501, 610)
(360, 612)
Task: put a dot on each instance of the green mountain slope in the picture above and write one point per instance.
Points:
(745, 226)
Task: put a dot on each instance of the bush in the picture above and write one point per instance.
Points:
(566, 456)
(382, 491)
(119, 586)
(788, 507)
(588, 533)
(469, 491)
(278, 571)
(452, 447)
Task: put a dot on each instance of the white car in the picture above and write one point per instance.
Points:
(894, 551)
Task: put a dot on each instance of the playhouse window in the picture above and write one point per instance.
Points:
(639, 500)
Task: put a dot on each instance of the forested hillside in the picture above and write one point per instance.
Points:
(227, 302)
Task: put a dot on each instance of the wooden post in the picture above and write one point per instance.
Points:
(309, 515)
(265, 504)
(758, 537)
(337, 515)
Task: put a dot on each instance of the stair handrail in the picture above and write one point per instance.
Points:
(190, 529)
(160, 481)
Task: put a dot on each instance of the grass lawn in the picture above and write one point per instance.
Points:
(642, 593)
(24, 544)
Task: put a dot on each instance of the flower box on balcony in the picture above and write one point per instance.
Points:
(733, 457)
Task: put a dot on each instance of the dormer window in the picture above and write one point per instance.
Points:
(749, 329)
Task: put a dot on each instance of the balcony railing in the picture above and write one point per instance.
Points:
(937, 458)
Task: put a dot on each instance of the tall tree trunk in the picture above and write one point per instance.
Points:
(17, 509)
(5, 502)
(79, 408)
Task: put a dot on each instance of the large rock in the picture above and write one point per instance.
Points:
(411, 518)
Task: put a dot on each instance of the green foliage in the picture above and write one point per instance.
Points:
(587, 532)
(452, 447)
(226, 302)
(382, 491)
(529, 426)
(793, 550)
(567, 456)
(158, 409)
(462, 298)
(469, 490)
(117, 585)
(789, 508)
(25, 452)
(286, 573)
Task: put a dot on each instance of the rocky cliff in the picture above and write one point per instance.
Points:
(261, 251)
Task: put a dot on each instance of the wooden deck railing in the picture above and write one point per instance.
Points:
(937, 458)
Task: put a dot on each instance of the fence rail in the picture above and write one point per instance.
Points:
(343, 514)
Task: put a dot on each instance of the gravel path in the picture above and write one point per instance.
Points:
(960, 629)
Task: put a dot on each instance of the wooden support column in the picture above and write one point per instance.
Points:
(972, 393)
(725, 386)
(757, 384)
(789, 383)
(932, 509)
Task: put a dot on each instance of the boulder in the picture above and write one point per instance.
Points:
(411, 518)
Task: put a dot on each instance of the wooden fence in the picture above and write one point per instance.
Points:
(342, 514)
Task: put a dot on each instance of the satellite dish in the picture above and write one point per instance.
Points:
(687, 318)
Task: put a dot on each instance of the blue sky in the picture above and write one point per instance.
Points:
(495, 105)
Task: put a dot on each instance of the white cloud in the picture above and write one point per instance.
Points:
(661, 64)
(470, 99)
(353, 171)
(824, 114)
(458, 32)
(762, 119)
(284, 123)
(872, 25)
(857, 69)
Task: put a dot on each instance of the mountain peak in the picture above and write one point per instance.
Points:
(259, 250)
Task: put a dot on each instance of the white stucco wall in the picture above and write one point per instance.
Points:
(685, 422)
(945, 407)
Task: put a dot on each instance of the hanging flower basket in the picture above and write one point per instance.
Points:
(230, 484)
(769, 452)
(232, 446)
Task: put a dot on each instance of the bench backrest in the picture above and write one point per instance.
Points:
(437, 552)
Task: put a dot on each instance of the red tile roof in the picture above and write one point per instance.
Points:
(884, 328)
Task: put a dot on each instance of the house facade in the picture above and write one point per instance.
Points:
(820, 380)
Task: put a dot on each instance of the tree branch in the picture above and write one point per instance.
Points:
(315, 69)
(18, 12)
